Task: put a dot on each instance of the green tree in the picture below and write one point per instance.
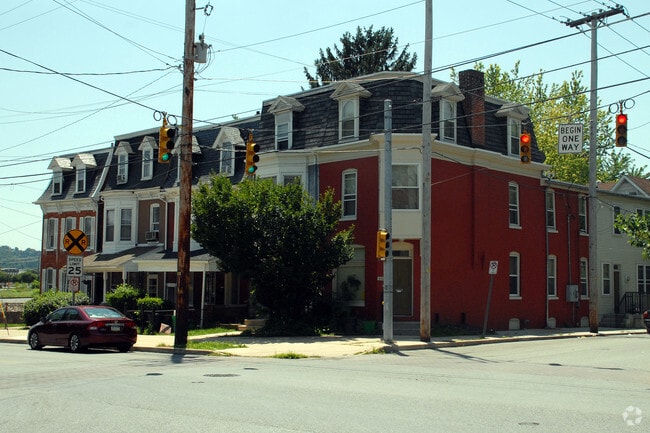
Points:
(557, 103)
(281, 239)
(366, 52)
(638, 229)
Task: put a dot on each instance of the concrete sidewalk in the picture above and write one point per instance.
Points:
(339, 346)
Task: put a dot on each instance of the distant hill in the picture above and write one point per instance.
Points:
(15, 258)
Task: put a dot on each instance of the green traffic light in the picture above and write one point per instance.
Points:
(252, 169)
(165, 157)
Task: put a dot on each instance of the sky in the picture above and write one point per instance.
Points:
(74, 74)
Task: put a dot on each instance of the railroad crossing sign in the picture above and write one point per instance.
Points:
(75, 242)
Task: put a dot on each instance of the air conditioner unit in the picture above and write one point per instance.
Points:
(151, 236)
(121, 178)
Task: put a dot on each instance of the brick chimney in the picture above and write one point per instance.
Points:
(472, 84)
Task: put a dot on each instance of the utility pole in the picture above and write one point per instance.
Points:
(185, 167)
(387, 323)
(592, 278)
(425, 243)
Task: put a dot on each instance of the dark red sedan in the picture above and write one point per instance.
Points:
(82, 326)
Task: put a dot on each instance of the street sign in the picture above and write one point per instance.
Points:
(75, 242)
(569, 138)
(73, 284)
(75, 266)
(494, 266)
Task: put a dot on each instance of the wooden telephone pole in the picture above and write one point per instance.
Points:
(185, 167)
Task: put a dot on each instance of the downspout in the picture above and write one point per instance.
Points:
(546, 189)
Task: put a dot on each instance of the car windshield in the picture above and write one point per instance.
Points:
(103, 313)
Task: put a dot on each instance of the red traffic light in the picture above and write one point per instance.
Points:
(525, 138)
(621, 130)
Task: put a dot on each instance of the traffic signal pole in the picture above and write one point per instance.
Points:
(185, 167)
(387, 319)
(592, 277)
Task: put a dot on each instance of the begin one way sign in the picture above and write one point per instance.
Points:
(569, 138)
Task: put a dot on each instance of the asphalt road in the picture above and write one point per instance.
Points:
(599, 384)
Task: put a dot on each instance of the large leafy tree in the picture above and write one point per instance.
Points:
(557, 103)
(366, 52)
(279, 237)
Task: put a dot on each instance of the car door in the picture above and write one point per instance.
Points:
(70, 323)
(48, 333)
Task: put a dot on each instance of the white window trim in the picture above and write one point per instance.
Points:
(444, 102)
(514, 207)
(227, 159)
(551, 276)
(584, 279)
(416, 186)
(154, 226)
(57, 180)
(284, 118)
(147, 163)
(344, 103)
(345, 196)
(606, 277)
(582, 214)
(80, 177)
(515, 296)
(122, 167)
(90, 234)
(550, 210)
(514, 134)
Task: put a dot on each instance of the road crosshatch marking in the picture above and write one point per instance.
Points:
(75, 242)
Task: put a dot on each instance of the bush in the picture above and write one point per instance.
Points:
(42, 305)
(125, 297)
(150, 303)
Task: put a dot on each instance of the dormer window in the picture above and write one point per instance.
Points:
(227, 141)
(122, 152)
(82, 162)
(515, 113)
(147, 149)
(283, 108)
(81, 180)
(348, 95)
(57, 183)
(449, 95)
(227, 161)
(58, 166)
(448, 120)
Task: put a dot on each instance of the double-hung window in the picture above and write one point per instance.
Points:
(110, 225)
(57, 183)
(349, 194)
(551, 277)
(582, 214)
(448, 120)
(550, 209)
(513, 204)
(126, 224)
(514, 267)
(514, 134)
(643, 278)
(584, 278)
(227, 162)
(81, 179)
(406, 191)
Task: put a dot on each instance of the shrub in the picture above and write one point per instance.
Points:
(125, 297)
(150, 303)
(42, 305)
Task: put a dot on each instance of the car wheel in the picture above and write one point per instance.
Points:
(75, 343)
(124, 348)
(34, 341)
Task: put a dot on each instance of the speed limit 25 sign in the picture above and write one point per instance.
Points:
(75, 266)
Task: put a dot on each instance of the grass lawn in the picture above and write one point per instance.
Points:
(18, 291)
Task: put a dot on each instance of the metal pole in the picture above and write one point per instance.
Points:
(388, 221)
(593, 179)
(487, 306)
(592, 276)
(425, 243)
(185, 167)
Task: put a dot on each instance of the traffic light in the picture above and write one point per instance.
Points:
(383, 243)
(621, 130)
(165, 144)
(251, 155)
(524, 148)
